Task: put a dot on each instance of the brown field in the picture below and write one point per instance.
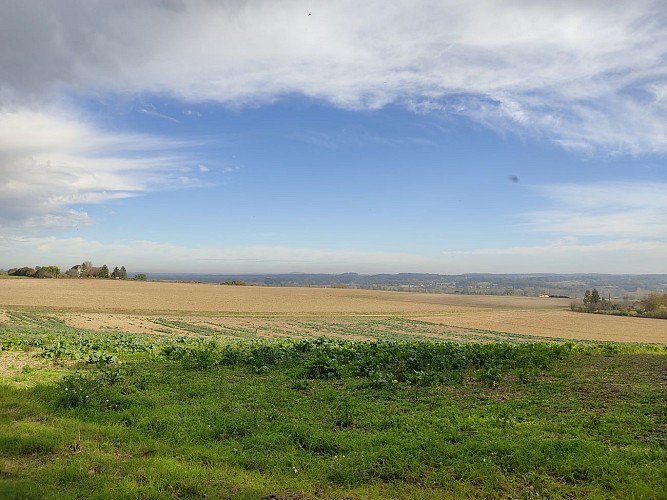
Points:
(142, 307)
(142, 297)
(562, 324)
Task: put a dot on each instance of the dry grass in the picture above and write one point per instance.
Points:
(136, 307)
(15, 366)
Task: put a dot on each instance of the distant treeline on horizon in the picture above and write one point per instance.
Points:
(553, 285)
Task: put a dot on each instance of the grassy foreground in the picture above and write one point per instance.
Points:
(85, 414)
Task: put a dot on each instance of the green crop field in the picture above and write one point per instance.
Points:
(228, 414)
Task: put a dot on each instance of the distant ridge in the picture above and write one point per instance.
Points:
(570, 285)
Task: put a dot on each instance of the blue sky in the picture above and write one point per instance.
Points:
(232, 137)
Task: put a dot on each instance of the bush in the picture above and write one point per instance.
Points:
(22, 271)
(655, 305)
(47, 272)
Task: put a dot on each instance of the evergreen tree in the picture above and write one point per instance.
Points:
(587, 297)
(595, 296)
(103, 272)
(122, 273)
(115, 273)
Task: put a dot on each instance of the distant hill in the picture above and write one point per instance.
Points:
(568, 285)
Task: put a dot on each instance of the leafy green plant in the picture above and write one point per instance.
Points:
(322, 367)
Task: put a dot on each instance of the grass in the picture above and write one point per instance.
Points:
(115, 415)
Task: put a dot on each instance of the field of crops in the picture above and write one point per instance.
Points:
(144, 390)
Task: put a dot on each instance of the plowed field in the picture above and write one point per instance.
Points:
(208, 309)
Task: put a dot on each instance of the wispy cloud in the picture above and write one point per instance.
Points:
(154, 256)
(149, 110)
(605, 227)
(587, 75)
(51, 165)
(609, 210)
(614, 256)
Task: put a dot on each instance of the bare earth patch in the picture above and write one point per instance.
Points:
(110, 322)
(562, 324)
(17, 366)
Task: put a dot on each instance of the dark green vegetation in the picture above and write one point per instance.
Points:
(114, 415)
(37, 272)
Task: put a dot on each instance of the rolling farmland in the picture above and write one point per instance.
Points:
(181, 390)
(178, 308)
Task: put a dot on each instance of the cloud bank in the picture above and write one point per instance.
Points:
(588, 75)
(50, 164)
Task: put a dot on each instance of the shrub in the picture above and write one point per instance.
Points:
(22, 271)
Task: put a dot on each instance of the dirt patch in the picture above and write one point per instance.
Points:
(12, 362)
(111, 322)
(17, 365)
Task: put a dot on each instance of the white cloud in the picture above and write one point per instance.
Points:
(609, 210)
(588, 75)
(585, 74)
(567, 256)
(50, 164)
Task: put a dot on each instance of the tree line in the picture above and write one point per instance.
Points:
(654, 305)
(84, 270)
(36, 272)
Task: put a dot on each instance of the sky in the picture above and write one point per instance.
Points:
(283, 136)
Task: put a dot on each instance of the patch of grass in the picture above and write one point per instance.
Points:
(327, 418)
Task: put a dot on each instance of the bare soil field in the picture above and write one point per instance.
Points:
(209, 309)
(561, 324)
(144, 297)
